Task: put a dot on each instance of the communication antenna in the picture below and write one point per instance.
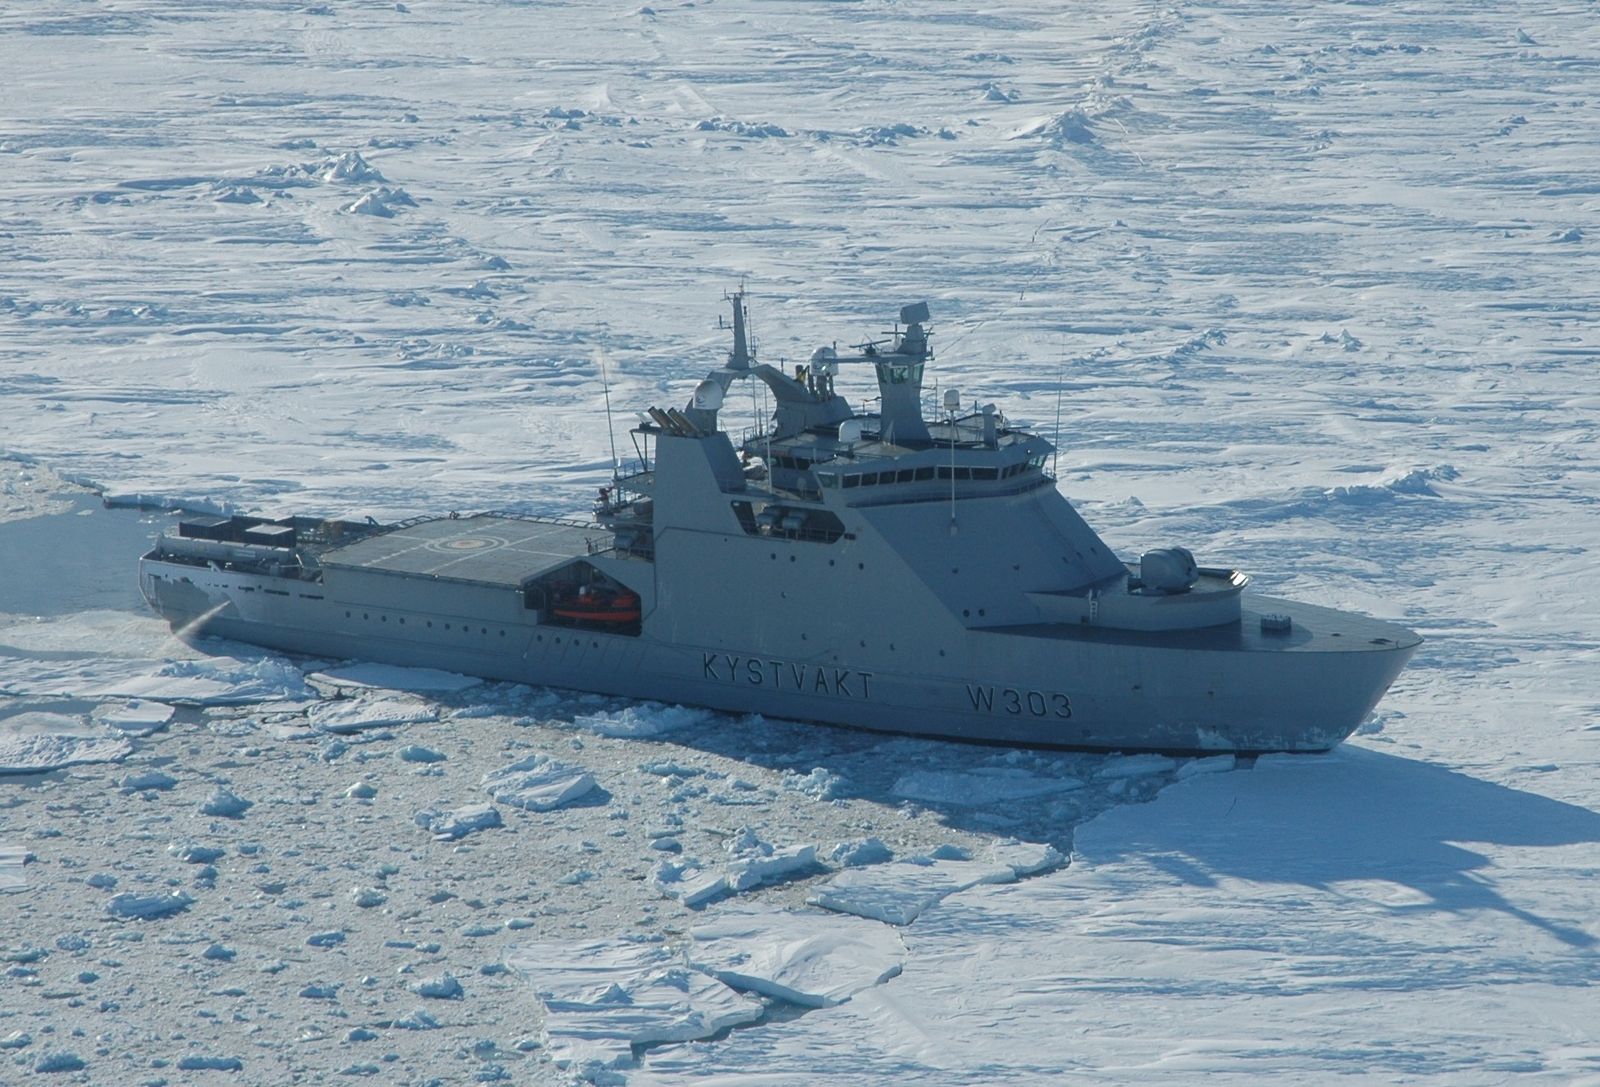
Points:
(952, 404)
(611, 433)
(1055, 454)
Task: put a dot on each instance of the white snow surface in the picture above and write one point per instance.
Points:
(1316, 287)
(804, 957)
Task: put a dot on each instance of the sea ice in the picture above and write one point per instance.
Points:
(59, 1060)
(13, 874)
(643, 720)
(391, 677)
(806, 957)
(225, 804)
(538, 783)
(980, 787)
(1025, 858)
(135, 718)
(900, 891)
(1128, 766)
(688, 883)
(860, 851)
(370, 711)
(130, 906)
(37, 752)
(753, 862)
(605, 997)
(157, 780)
(450, 825)
(194, 853)
(441, 987)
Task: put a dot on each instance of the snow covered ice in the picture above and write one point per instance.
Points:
(1317, 288)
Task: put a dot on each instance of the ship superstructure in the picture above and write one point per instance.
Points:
(894, 569)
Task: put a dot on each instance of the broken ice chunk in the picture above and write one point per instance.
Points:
(225, 804)
(12, 859)
(154, 779)
(443, 987)
(860, 851)
(365, 711)
(194, 853)
(753, 862)
(603, 998)
(808, 958)
(393, 677)
(450, 825)
(37, 752)
(136, 718)
(1025, 858)
(130, 906)
(538, 783)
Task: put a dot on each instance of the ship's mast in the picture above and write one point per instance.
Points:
(740, 357)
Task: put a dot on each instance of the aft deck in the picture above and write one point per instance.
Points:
(489, 549)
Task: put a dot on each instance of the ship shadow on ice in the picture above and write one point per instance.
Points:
(995, 791)
(1357, 817)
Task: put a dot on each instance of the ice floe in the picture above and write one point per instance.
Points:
(643, 720)
(347, 715)
(135, 718)
(144, 907)
(53, 741)
(391, 677)
(605, 997)
(538, 783)
(13, 873)
(898, 892)
(806, 957)
(450, 825)
(213, 681)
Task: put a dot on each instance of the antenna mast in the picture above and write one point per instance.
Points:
(611, 432)
(1055, 453)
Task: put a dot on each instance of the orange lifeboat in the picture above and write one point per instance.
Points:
(600, 606)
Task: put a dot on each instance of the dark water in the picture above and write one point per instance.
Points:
(85, 558)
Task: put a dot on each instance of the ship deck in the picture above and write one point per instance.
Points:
(486, 548)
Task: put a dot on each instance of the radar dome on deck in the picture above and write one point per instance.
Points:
(708, 395)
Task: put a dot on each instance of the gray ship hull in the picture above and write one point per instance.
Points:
(875, 569)
(1231, 688)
